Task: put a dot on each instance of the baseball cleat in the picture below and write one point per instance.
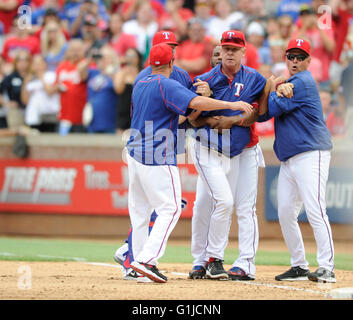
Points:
(132, 275)
(293, 274)
(149, 271)
(197, 272)
(215, 270)
(120, 253)
(239, 274)
(322, 275)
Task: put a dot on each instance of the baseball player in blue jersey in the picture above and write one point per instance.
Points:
(217, 190)
(124, 254)
(302, 144)
(154, 181)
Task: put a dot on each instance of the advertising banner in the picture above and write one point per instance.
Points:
(75, 187)
(339, 195)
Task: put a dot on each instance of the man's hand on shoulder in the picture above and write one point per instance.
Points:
(285, 90)
(202, 88)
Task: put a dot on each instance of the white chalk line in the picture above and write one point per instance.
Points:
(283, 287)
(9, 254)
(259, 284)
(61, 257)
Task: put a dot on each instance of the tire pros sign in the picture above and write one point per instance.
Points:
(75, 187)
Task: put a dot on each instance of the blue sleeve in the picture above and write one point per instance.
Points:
(176, 97)
(259, 84)
(278, 105)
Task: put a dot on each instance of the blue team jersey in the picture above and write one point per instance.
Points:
(184, 79)
(299, 121)
(177, 74)
(104, 100)
(247, 86)
(156, 105)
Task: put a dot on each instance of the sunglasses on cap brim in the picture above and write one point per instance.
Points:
(235, 40)
(300, 57)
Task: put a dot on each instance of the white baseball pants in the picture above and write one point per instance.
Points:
(214, 202)
(302, 179)
(152, 188)
(245, 200)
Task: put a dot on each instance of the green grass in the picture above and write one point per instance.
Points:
(29, 249)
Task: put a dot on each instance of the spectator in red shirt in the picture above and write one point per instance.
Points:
(194, 54)
(72, 89)
(251, 57)
(322, 40)
(119, 40)
(176, 17)
(342, 16)
(342, 11)
(8, 11)
(20, 40)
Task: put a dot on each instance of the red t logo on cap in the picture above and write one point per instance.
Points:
(299, 42)
(230, 34)
(166, 35)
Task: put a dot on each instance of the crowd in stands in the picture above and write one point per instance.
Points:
(69, 66)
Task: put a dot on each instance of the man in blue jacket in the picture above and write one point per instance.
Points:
(302, 144)
(124, 254)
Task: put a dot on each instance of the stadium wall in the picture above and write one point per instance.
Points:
(82, 189)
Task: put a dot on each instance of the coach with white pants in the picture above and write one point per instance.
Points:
(154, 181)
(302, 144)
(228, 174)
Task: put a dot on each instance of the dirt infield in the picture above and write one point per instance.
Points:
(22, 280)
(83, 281)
